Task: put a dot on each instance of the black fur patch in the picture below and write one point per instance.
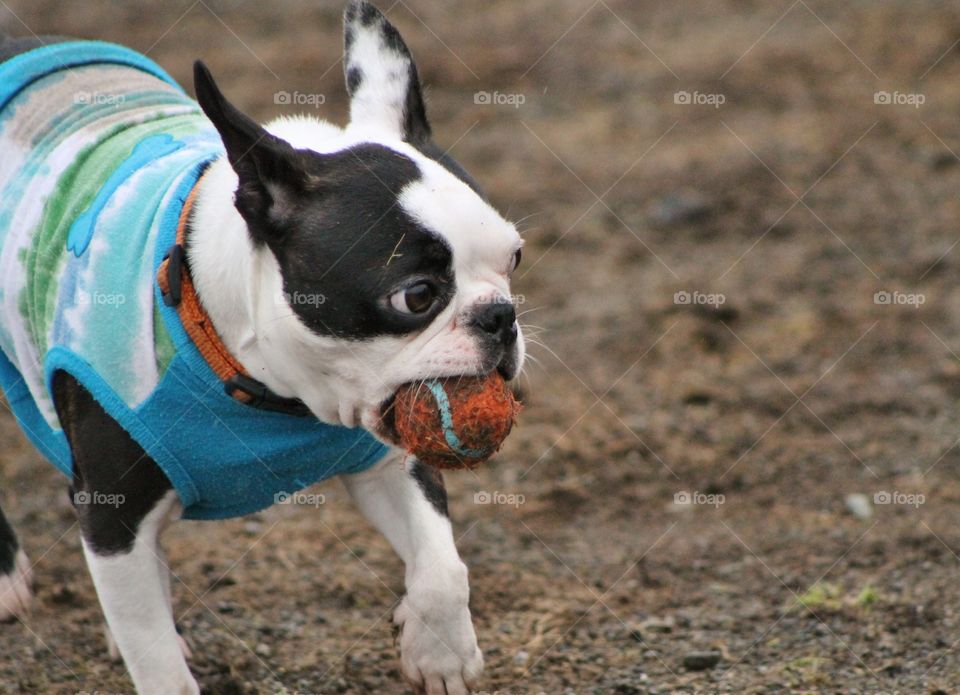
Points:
(368, 14)
(354, 79)
(430, 481)
(107, 465)
(416, 127)
(8, 545)
(393, 39)
(349, 245)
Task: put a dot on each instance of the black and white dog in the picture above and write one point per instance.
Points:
(425, 295)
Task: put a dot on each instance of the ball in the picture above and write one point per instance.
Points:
(457, 422)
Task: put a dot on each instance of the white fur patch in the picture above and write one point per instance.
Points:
(379, 100)
(136, 604)
(438, 645)
(15, 594)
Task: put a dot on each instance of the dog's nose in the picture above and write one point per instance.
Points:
(499, 319)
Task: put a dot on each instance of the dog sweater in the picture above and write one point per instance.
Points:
(99, 149)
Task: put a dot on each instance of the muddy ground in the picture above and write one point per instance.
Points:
(781, 199)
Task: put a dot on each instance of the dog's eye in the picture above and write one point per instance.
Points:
(415, 299)
(518, 254)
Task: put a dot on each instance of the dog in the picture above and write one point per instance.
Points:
(200, 315)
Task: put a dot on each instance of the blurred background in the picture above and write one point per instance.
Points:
(737, 467)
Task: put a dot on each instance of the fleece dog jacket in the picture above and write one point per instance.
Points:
(99, 149)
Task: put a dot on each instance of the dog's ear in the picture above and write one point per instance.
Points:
(381, 78)
(271, 172)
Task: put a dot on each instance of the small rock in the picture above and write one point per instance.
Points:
(701, 661)
(678, 209)
(521, 658)
(263, 650)
(661, 625)
(943, 160)
(64, 595)
(892, 668)
(859, 505)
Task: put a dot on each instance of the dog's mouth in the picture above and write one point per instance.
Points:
(382, 420)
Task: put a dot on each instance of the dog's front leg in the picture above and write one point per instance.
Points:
(134, 595)
(407, 502)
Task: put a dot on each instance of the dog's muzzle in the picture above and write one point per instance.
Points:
(496, 326)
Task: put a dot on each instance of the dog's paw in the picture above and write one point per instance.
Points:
(438, 648)
(15, 592)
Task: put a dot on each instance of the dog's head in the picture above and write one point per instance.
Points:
(381, 261)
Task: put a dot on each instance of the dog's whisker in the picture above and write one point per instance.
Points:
(527, 311)
(526, 217)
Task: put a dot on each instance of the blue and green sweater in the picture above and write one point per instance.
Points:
(99, 149)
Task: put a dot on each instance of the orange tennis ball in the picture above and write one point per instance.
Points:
(457, 422)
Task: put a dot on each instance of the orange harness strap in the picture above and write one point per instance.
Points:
(178, 290)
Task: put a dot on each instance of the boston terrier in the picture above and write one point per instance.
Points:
(200, 316)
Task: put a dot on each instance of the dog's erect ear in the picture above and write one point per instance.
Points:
(381, 77)
(271, 172)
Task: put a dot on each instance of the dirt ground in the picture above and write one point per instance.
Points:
(701, 280)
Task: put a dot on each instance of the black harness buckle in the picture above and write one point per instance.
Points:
(263, 398)
(175, 259)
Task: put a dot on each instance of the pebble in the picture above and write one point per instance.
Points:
(701, 661)
(661, 625)
(521, 658)
(943, 160)
(678, 209)
(859, 505)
